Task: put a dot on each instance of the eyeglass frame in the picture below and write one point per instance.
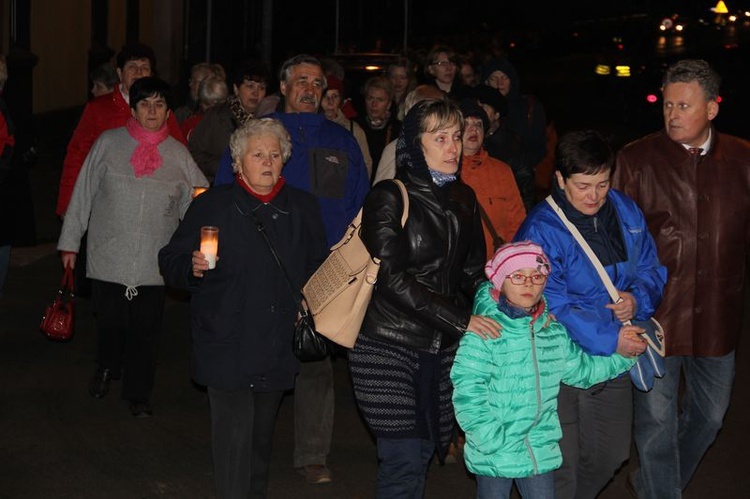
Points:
(444, 63)
(526, 278)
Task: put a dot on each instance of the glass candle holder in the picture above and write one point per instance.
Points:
(210, 244)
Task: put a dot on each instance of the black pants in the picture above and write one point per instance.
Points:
(242, 425)
(82, 283)
(129, 333)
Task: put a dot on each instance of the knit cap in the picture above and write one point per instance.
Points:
(470, 109)
(514, 256)
(334, 83)
(485, 94)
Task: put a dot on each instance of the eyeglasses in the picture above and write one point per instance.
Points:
(443, 64)
(520, 279)
(474, 123)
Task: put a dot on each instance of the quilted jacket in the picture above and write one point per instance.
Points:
(505, 390)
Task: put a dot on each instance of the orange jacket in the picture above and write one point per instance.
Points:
(497, 193)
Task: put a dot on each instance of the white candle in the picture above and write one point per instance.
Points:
(210, 244)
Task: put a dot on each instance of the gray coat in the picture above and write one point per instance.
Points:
(128, 218)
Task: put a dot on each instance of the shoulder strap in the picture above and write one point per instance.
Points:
(296, 296)
(497, 241)
(659, 348)
(405, 197)
(586, 249)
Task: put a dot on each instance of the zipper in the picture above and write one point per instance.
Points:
(538, 390)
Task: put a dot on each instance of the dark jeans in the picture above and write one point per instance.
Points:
(242, 425)
(532, 487)
(596, 426)
(672, 435)
(403, 467)
(129, 333)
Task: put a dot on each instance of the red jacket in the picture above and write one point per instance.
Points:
(103, 113)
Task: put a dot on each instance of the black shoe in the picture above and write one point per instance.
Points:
(99, 385)
(140, 408)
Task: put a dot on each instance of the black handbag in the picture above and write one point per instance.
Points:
(308, 345)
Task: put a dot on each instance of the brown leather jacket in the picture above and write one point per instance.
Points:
(698, 210)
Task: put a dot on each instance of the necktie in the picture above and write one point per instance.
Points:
(695, 151)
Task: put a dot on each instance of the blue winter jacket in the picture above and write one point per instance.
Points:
(575, 292)
(327, 162)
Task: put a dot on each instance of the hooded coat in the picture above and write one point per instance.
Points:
(526, 120)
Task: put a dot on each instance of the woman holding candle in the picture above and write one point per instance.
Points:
(242, 312)
(133, 188)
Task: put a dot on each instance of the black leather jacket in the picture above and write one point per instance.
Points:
(429, 269)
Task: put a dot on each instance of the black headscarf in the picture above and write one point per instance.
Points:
(409, 153)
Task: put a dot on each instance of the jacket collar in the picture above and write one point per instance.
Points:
(246, 203)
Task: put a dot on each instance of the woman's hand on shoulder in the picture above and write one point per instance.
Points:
(484, 327)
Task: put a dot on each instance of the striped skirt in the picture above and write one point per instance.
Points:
(402, 392)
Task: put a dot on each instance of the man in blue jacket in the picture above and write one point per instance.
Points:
(326, 161)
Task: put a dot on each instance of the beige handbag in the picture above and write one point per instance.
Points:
(338, 292)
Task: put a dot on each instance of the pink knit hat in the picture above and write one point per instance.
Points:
(513, 256)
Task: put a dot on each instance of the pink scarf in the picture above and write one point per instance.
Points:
(146, 158)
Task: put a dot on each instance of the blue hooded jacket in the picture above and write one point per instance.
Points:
(575, 292)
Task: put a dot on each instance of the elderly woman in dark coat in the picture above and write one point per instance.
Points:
(401, 362)
(242, 311)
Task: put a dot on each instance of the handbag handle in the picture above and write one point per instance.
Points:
(358, 218)
(67, 281)
(262, 229)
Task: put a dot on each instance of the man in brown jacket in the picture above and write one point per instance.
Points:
(693, 185)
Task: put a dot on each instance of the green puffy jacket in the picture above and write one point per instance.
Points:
(505, 390)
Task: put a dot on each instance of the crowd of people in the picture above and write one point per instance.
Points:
(490, 336)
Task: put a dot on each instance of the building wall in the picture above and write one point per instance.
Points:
(60, 38)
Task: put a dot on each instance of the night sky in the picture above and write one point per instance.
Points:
(361, 24)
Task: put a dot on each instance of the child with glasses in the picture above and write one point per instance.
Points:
(505, 389)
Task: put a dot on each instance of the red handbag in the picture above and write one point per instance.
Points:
(57, 322)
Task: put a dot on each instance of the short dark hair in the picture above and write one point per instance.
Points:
(106, 74)
(251, 70)
(583, 151)
(150, 86)
(134, 51)
(694, 70)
